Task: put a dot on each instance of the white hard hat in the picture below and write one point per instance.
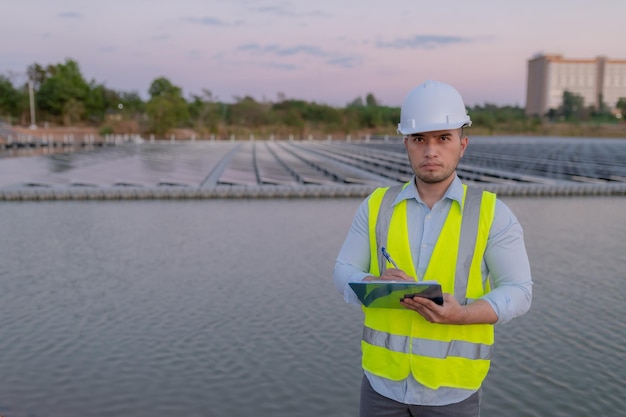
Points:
(431, 106)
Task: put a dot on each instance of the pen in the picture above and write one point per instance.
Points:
(388, 257)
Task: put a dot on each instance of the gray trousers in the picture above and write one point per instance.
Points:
(375, 405)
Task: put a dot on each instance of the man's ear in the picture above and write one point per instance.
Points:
(464, 143)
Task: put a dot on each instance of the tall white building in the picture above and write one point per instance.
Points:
(599, 80)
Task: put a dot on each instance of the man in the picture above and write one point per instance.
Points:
(429, 359)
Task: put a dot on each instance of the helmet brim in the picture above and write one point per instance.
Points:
(410, 129)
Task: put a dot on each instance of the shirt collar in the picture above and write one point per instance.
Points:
(454, 192)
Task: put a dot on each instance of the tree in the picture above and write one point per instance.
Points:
(37, 74)
(370, 100)
(10, 98)
(166, 108)
(63, 83)
(485, 120)
(101, 101)
(162, 87)
(204, 113)
(132, 103)
(248, 112)
(357, 102)
(73, 111)
(573, 107)
(621, 106)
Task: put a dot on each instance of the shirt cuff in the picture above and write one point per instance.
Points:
(348, 295)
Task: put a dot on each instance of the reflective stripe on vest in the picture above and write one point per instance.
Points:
(425, 347)
(398, 342)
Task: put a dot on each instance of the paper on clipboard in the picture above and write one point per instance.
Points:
(387, 294)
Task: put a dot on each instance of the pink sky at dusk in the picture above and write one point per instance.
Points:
(325, 51)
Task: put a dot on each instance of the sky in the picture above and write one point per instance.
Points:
(324, 51)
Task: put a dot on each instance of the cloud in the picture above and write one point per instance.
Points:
(423, 42)
(345, 62)
(285, 67)
(285, 51)
(332, 58)
(195, 54)
(285, 12)
(204, 21)
(300, 49)
(70, 15)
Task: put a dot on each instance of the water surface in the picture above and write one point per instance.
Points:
(227, 308)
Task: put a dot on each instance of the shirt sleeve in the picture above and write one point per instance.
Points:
(353, 260)
(507, 262)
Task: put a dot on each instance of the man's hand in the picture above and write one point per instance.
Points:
(391, 274)
(451, 312)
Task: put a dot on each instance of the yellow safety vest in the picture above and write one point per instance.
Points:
(399, 342)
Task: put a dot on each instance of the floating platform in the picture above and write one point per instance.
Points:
(204, 169)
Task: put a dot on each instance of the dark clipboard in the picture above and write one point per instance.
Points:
(387, 294)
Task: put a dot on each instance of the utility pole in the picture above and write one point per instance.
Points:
(33, 122)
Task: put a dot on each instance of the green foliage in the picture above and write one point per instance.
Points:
(573, 106)
(63, 91)
(303, 116)
(290, 113)
(574, 110)
(357, 102)
(105, 130)
(100, 102)
(368, 114)
(204, 114)
(492, 118)
(10, 99)
(63, 96)
(37, 74)
(371, 101)
(165, 113)
(73, 111)
(621, 106)
(166, 108)
(248, 112)
(132, 103)
(163, 87)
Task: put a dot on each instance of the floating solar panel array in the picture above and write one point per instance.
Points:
(310, 168)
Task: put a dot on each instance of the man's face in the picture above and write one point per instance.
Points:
(435, 155)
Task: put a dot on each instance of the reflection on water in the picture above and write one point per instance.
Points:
(43, 151)
(226, 308)
(61, 162)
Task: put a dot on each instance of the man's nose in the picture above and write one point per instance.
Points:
(429, 149)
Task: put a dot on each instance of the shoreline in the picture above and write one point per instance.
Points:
(80, 132)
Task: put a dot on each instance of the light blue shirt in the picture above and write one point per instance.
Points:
(505, 260)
